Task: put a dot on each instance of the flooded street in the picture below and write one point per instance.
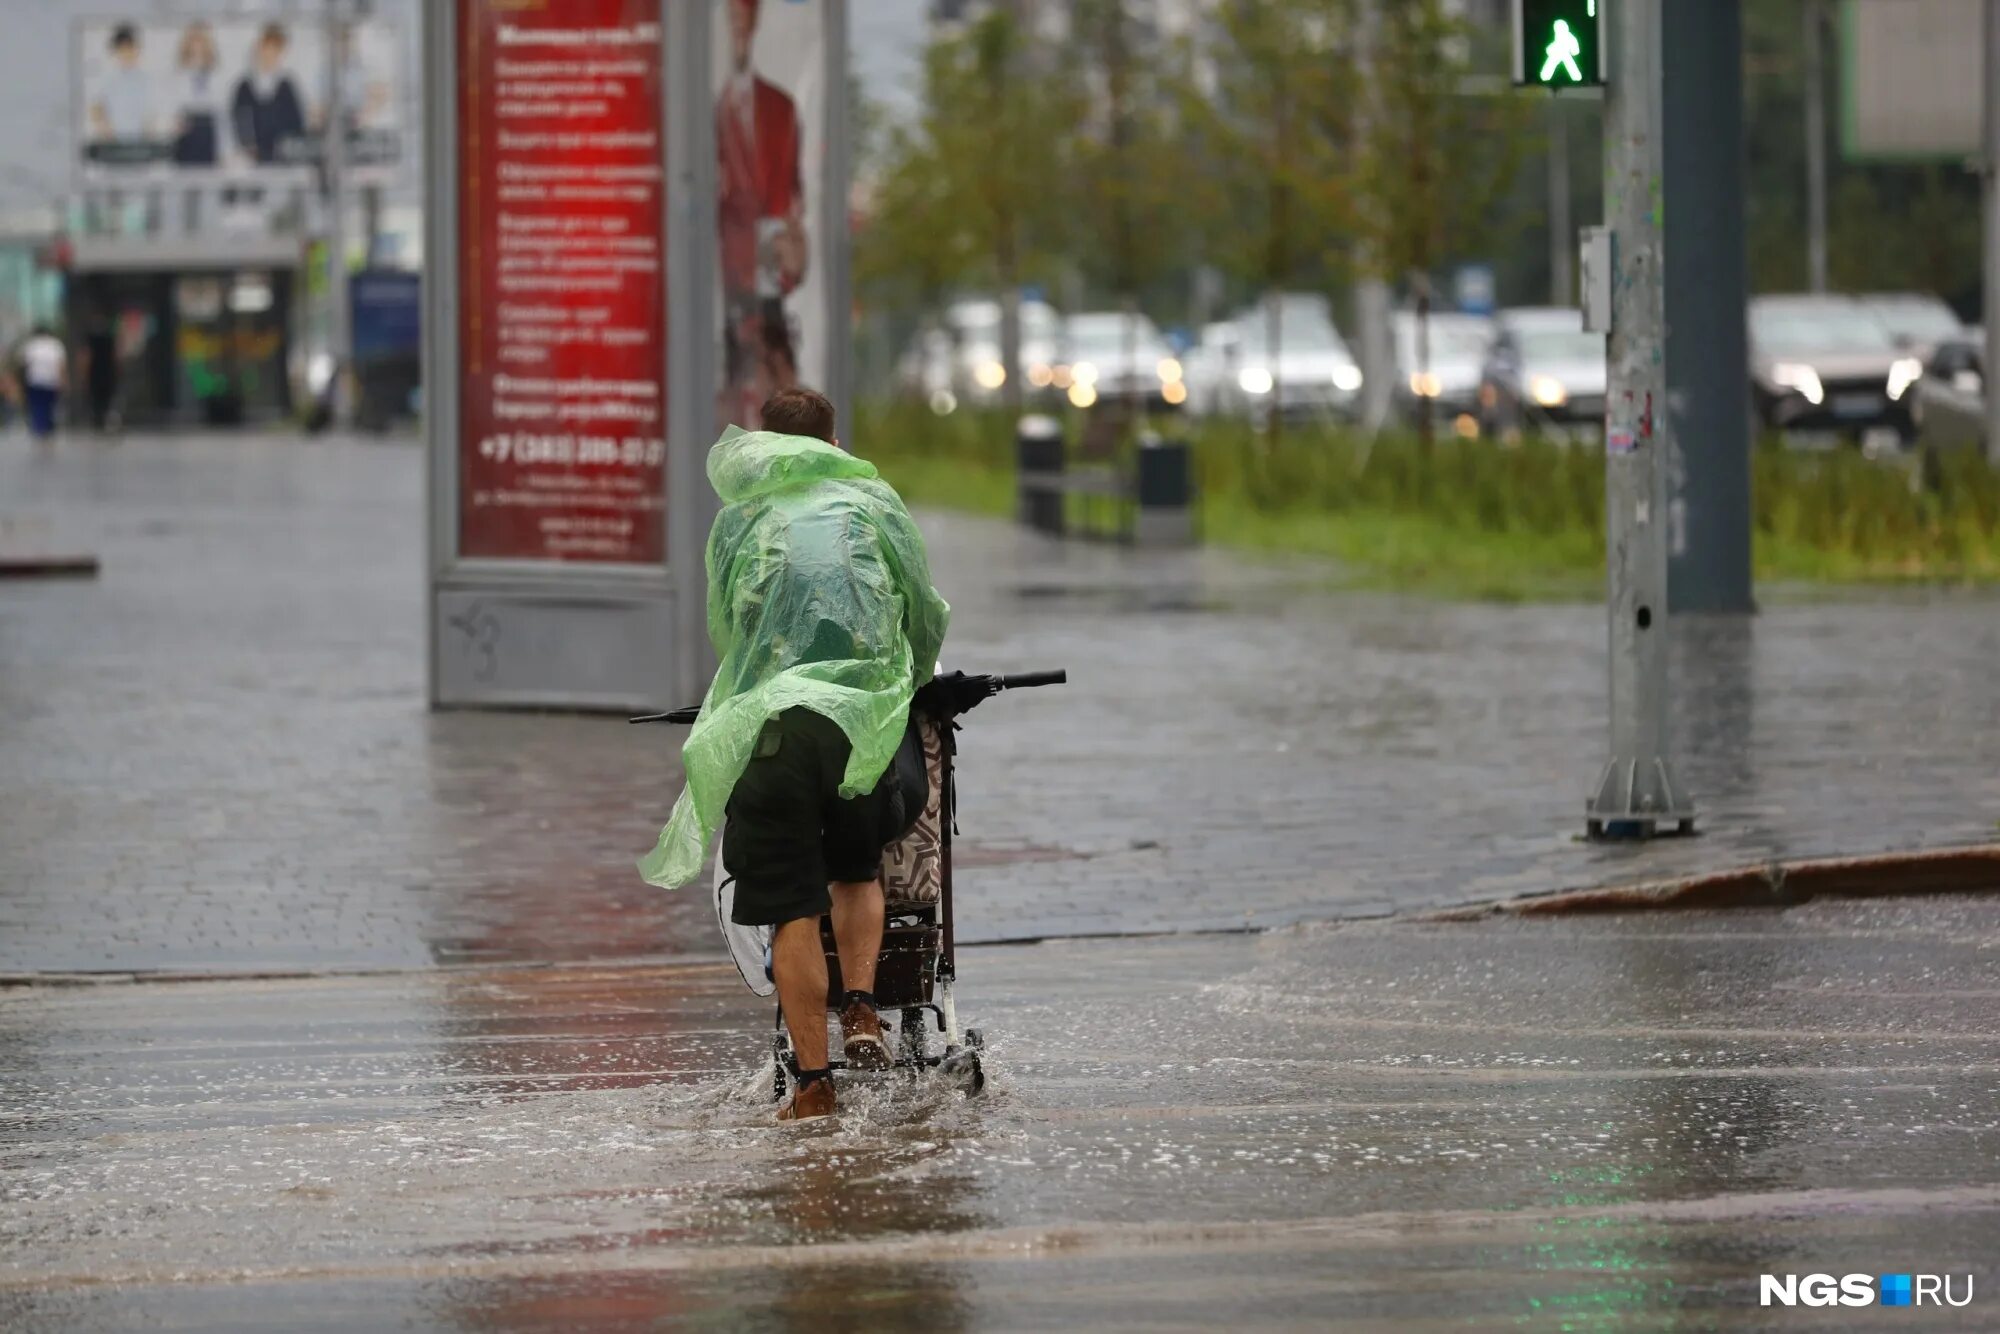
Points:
(1322, 753)
(322, 1011)
(1620, 1121)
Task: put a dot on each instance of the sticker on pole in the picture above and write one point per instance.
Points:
(1621, 442)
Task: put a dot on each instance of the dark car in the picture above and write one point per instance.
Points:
(1826, 363)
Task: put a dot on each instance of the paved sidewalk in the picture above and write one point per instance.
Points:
(217, 754)
(1591, 1124)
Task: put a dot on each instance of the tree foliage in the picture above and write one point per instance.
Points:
(1438, 158)
(968, 195)
(1270, 108)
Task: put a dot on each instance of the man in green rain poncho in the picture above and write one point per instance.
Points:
(821, 610)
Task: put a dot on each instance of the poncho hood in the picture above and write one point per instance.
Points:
(743, 465)
(819, 597)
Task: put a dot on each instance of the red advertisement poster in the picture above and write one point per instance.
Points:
(562, 296)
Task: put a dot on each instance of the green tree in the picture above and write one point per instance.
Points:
(966, 196)
(1127, 167)
(1890, 226)
(1269, 110)
(1438, 161)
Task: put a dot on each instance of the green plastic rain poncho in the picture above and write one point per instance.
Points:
(819, 594)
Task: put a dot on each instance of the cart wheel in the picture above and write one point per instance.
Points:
(975, 1040)
(964, 1068)
(910, 1036)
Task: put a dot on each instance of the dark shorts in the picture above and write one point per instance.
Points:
(789, 831)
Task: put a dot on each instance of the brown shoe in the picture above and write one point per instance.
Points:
(809, 1101)
(861, 1033)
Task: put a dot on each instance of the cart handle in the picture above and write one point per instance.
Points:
(1023, 680)
(686, 715)
(1017, 681)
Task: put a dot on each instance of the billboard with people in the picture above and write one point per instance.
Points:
(770, 132)
(158, 101)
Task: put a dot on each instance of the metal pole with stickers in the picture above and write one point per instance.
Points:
(1624, 269)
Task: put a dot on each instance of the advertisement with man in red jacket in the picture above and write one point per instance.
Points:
(769, 122)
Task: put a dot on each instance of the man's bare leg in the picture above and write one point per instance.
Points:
(799, 965)
(857, 935)
(857, 930)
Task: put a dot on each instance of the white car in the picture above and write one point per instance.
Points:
(1447, 369)
(978, 374)
(1209, 365)
(1284, 355)
(959, 361)
(1118, 356)
(1545, 371)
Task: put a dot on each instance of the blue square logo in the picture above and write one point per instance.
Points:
(1895, 1290)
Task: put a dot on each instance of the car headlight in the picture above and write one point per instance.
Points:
(1804, 379)
(1040, 375)
(1084, 372)
(1254, 380)
(1424, 384)
(1169, 370)
(989, 375)
(1905, 372)
(1174, 392)
(1347, 379)
(1548, 391)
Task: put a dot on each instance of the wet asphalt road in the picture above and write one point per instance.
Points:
(1609, 1123)
(217, 756)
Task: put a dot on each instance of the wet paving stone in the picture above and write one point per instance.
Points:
(217, 755)
(1609, 1123)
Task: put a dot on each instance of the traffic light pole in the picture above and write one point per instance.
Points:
(1992, 118)
(1637, 795)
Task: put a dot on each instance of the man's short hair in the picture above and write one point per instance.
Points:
(800, 411)
(124, 35)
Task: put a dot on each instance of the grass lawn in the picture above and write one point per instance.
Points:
(1476, 521)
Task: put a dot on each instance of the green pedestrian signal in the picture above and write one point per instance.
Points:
(1557, 43)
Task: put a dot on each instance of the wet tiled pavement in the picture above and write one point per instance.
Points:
(216, 755)
(1587, 1124)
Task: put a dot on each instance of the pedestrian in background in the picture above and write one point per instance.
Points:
(44, 375)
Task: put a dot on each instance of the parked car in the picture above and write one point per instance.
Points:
(1312, 374)
(1447, 369)
(1827, 363)
(1916, 321)
(1118, 356)
(978, 374)
(1949, 402)
(1543, 370)
(1209, 365)
(925, 368)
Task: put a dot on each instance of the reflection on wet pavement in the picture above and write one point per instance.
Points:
(1618, 1122)
(218, 756)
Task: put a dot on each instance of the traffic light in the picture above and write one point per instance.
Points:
(1557, 43)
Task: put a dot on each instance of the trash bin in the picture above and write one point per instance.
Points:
(1038, 473)
(1163, 491)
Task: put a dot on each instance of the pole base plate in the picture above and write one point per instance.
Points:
(1638, 799)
